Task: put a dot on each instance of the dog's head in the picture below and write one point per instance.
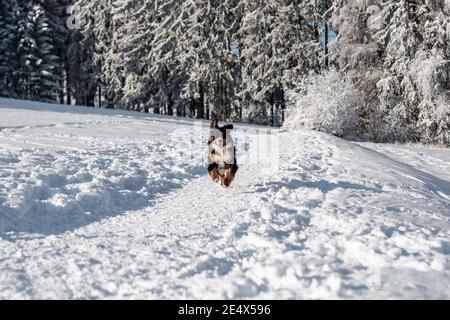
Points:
(219, 135)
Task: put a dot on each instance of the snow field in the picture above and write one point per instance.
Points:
(102, 209)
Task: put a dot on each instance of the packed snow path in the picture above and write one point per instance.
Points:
(93, 204)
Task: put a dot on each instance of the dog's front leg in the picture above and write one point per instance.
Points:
(227, 178)
(214, 173)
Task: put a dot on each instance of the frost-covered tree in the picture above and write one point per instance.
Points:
(207, 57)
(31, 40)
(278, 44)
(400, 49)
(134, 34)
(164, 67)
(82, 70)
(235, 59)
(38, 63)
(322, 11)
(56, 10)
(414, 88)
(191, 60)
(358, 56)
(106, 53)
(98, 38)
(431, 72)
(399, 42)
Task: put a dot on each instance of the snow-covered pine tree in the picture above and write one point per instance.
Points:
(413, 90)
(359, 58)
(431, 71)
(134, 34)
(167, 57)
(38, 64)
(97, 29)
(56, 11)
(399, 40)
(256, 24)
(127, 28)
(191, 52)
(161, 58)
(278, 44)
(207, 56)
(8, 47)
(399, 48)
(83, 73)
(107, 54)
(223, 61)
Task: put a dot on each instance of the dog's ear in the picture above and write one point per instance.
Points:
(215, 124)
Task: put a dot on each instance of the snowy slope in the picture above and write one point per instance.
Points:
(94, 204)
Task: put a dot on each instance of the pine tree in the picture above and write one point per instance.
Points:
(416, 63)
(56, 10)
(135, 34)
(38, 64)
(400, 49)
(165, 73)
(278, 44)
(97, 42)
(431, 72)
(359, 57)
(106, 53)
(8, 47)
(82, 71)
(207, 57)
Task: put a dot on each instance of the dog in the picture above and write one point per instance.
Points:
(222, 154)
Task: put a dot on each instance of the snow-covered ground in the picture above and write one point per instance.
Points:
(110, 204)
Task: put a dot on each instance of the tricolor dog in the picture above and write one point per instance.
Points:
(222, 154)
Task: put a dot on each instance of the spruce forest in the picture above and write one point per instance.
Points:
(377, 70)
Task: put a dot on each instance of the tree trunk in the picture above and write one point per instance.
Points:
(326, 45)
(100, 96)
(68, 93)
(61, 89)
(179, 111)
(170, 105)
(272, 114)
